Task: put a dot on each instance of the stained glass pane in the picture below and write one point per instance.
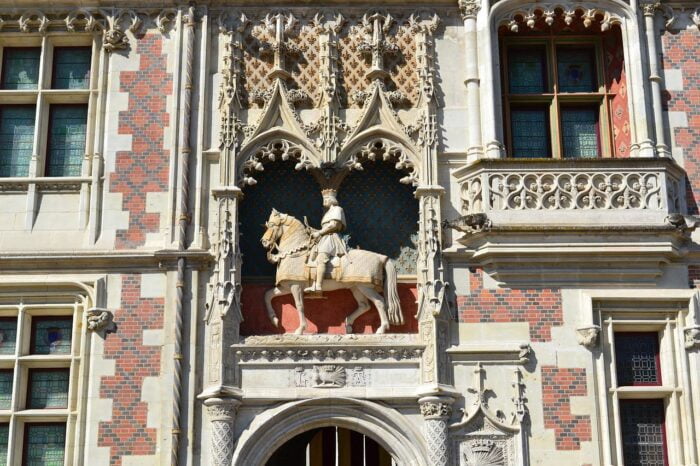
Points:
(71, 67)
(643, 434)
(51, 335)
(579, 128)
(382, 213)
(8, 335)
(527, 70)
(4, 439)
(636, 358)
(282, 187)
(20, 68)
(576, 69)
(530, 132)
(6, 377)
(67, 128)
(16, 139)
(48, 388)
(44, 444)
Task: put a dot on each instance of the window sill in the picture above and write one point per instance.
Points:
(643, 391)
(60, 184)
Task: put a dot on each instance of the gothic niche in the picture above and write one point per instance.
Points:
(382, 216)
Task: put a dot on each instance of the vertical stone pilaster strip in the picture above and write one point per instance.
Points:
(436, 413)
(469, 10)
(649, 11)
(222, 416)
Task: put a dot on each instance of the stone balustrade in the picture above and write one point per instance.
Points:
(562, 192)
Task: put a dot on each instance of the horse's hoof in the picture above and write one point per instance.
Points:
(299, 331)
(275, 322)
(382, 329)
(348, 327)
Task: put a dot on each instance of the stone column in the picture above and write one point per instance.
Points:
(436, 411)
(222, 415)
(649, 10)
(469, 10)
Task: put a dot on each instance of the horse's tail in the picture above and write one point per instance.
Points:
(391, 294)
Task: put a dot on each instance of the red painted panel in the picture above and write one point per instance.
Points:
(323, 315)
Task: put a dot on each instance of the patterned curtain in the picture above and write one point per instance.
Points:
(382, 213)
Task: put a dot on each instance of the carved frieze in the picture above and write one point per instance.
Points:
(329, 376)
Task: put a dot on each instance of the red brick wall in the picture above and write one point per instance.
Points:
(680, 51)
(540, 308)
(558, 386)
(144, 168)
(126, 434)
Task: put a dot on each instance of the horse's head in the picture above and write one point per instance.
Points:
(273, 229)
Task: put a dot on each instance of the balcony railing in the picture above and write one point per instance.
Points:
(598, 191)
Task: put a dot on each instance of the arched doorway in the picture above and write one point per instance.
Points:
(331, 446)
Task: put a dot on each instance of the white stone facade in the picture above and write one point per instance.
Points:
(525, 268)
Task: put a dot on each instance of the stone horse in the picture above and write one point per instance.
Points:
(364, 273)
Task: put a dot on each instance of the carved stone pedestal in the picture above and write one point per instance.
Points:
(222, 415)
(436, 411)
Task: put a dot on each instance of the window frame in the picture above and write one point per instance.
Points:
(44, 96)
(554, 100)
(26, 307)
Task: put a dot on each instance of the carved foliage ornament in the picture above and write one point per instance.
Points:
(434, 409)
(587, 14)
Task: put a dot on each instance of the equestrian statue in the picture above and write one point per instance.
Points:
(313, 261)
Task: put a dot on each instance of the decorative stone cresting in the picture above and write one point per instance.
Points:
(529, 15)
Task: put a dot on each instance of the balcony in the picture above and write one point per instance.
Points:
(565, 221)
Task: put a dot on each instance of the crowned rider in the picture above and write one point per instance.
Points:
(329, 243)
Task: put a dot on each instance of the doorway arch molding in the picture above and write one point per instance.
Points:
(272, 428)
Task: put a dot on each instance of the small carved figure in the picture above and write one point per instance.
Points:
(328, 242)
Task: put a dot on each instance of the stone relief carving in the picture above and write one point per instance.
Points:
(692, 337)
(329, 376)
(99, 319)
(588, 336)
(483, 437)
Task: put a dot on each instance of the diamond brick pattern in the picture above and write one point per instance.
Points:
(144, 168)
(558, 386)
(540, 308)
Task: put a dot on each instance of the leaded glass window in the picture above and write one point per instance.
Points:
(4, 441)
(51, 335)
(530, 132)
(527, 70)
(576, 69)
(48, 388)
(8, 335)
(20, 67)
(554, 105)
(16, 139)
(637, 358)
(6, 378)
(71, 67)
(44, 444)
(643, 434)
(579, 127)
(66, 143)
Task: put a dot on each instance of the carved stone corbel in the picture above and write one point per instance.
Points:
(588, 336)
(115, 36)
(691, 335)
(100, 320)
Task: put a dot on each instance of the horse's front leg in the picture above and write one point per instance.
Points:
(269, 295)
(298, 293)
